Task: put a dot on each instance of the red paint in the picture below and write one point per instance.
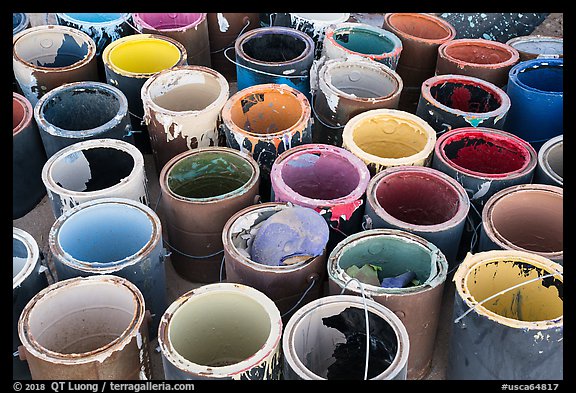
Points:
(461, 99)
(341, 211)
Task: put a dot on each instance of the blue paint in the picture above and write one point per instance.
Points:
(95, 17)
(535, 88)
(20, 21)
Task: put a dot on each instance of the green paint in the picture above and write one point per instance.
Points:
(363, 41)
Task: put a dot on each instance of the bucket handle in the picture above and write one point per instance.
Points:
(313, 278)
(261, 72)
(503, 291)
(246, 24)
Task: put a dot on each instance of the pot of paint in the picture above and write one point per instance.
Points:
(280, 55)
(28, 158)
(456, 101)
(538, 46)
(264, 121)
(536, 94)
(326, 339)
(315, 25)
(182, 110)
(223, 31)
(508, 318)
(291, 281)
(129, 61)
(382, 138)
(347, 87)
(200, 190)
(27, 280)
(115, 236)
(421, 35)
(354, 39)
(484, 160)
(221, 331)
(326, 178)
(483, 59)
(47, 56)
(79, 111)
(550, 168)
(94, 169)
(68, 333)
(525, 217)
(190, 29)
(20, 21)
(390, 253)
(422, 201)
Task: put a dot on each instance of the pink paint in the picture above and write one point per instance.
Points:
(485, 152)
(168, 21)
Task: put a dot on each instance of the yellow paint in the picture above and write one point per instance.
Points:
(141, 54)
(531, 305)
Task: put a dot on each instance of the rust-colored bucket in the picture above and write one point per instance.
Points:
(200, 190)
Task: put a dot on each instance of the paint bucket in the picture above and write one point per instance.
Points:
(538, 46)
(190, 29)
(288, 286)
(315, 25)
(354, 39)
(484, 160)
(508, 318)
(326, 178)
(115, 236)
(388, 137)
(200, 190)
(27, 280)
(421, 35)
(525, 217)
(422, 201)
(550, 168)
(395, 252)
(182, 110)
(280, 55)
(456, 101)
(536, 93)
(47, 56)
(129, 61)
(223, 30)
(28, 158)
(20, 21)
(347, 87)
(221, 331)
(86, 329)
(94, 169)
(483, 59)
(264, 121)
(79, 111)
(309, 343)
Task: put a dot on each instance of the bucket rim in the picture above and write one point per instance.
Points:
(32, 259)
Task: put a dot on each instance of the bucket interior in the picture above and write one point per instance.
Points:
(540, 300)
(20, 256)
(322, 16)
(555, 159)
(417, 198)
(92, 169)
(364, 41)
(96, 17)
(78, 319)
(185, 91)
(465, 96)
(79, 109)
(544, 77)
(105, 233)
(163, 21)
(390, 255)
(322, 175)
(266, 112)
(363, 82)
(18, 113)
(331, 342)
(388, 137)
(209, 174)
(532, 220)
(483, 152)
(52, 48)
(144, 56)
(219, 329)
(274, 47)
(477, 53)
(540, 46)
(419, 27)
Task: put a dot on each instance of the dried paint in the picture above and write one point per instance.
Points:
(222, 22)
(315, 25)
(537, 46)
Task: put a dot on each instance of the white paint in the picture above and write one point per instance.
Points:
(222, 22)
(482, 190)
